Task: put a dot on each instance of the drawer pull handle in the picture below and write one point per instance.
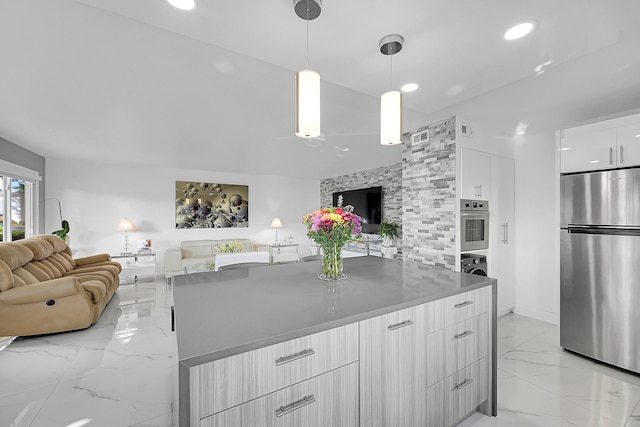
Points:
(400, 325)
(286, 359)
(284, 410)
(464, 383)
(463, 304)
(463, 334)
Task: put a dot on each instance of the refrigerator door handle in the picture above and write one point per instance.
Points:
(621, 154)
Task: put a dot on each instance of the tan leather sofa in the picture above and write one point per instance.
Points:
(43, 289)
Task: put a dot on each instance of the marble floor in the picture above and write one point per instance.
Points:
(122, 372)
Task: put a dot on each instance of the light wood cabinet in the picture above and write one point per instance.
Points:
(330, 399)
(393, 366)
(455, 397)
(421, 366)
(231, 381)
(456, 347)
(475, 174)
(407, 357)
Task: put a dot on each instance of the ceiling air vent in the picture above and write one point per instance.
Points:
(420, 137)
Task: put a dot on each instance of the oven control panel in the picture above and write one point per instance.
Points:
(474, 205)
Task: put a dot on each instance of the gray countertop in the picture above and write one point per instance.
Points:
(220, 314)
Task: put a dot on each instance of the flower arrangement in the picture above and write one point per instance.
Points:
(233, 246)
(331, 228)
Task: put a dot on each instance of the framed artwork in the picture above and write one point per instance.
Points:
(211, 205)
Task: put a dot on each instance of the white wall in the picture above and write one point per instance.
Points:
(537, 227)
(95, 197)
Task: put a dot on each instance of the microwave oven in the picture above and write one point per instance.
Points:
(474, 225)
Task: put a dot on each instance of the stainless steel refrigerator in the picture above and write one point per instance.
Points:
(600, 266)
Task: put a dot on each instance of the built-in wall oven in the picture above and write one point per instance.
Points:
(474, 225)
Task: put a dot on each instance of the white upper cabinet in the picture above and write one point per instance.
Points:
(604, 145)
(475, 174)
(628, 138)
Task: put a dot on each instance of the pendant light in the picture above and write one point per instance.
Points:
(308, 81)
(391, 101)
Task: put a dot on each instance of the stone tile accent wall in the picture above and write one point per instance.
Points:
(387, 177)
(429, 196)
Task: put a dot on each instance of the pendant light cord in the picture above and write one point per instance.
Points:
(391, 72)
(308, 34)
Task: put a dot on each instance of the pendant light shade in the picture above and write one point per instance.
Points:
(391, 118)
(307, 81)
(391, 101)
(307, 104)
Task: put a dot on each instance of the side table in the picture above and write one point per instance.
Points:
(135, 265)
(276, 256)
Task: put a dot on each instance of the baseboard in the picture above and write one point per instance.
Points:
(534, 313)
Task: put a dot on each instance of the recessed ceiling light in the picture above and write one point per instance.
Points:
(183, 4)
(594, 161)
(638, 135)
(565, 149)
(520, 30)
(409, 87)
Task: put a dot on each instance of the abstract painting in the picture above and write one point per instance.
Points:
(211, 205)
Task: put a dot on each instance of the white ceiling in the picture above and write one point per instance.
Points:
(142, 82)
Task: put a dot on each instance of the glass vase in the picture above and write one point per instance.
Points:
(332, 263)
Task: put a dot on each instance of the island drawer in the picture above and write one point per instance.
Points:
(456, 347)
(458, 395)
(458, 308)
(330, 399)
(221, 384)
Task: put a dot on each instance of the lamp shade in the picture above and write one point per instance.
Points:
(276, 223)
(391, 118)
(126, 225)
(307, 104)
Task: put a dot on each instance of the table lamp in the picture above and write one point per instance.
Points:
(126, 225)
(276, 223)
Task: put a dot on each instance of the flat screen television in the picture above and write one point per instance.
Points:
(367, 203)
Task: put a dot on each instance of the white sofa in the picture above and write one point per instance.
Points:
(195, 252)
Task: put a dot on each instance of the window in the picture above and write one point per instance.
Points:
(18, 202)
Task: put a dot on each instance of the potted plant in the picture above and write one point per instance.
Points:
(389, 230)
(62, 233)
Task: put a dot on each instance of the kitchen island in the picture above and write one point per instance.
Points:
(393, 344)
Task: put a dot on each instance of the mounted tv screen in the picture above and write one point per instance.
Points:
(367, 203)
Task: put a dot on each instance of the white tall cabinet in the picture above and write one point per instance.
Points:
(502, 253)
(496, 177)
(475, 173)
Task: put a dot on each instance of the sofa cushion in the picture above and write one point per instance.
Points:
(41, 248)
(196, 251)
(6, 277)
(15, 255)
(39, 271)
(26, 277)
(58, 244)
(39, 292)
